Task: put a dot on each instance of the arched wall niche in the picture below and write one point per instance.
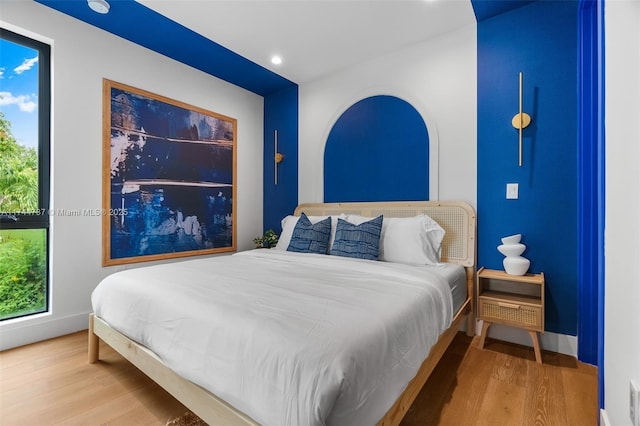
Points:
(380, 149)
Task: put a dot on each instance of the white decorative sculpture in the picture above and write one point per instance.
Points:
(511, 248)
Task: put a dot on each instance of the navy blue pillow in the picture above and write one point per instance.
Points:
(310, 237)
(359, 241)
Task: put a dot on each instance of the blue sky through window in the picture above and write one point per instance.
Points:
(19, 91)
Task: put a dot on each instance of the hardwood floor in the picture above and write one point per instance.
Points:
(51, 383)
(503, 385)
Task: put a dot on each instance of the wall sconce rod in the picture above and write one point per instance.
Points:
(520, 121)
(277, 157)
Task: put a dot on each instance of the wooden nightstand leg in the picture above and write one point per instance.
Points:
(536, 346)
(483, 335)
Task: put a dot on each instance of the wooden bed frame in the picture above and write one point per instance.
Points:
(456, 217)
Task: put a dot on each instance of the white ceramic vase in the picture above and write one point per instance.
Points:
(511, 248)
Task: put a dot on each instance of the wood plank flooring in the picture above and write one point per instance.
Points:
(503, 385)
(51, 383)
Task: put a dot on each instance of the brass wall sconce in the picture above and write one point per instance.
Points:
(278, 157)
(520, 121)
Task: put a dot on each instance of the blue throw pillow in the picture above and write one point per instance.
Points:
(359, 241)
(310, 237)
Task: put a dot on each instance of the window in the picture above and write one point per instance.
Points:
(24, 175)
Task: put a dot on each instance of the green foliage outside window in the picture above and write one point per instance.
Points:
(22, 272)
(18, 173)
(22, 251)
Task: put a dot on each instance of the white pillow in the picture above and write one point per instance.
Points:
(411, 240)
(289, 222)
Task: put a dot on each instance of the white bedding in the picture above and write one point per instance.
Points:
(286, 338)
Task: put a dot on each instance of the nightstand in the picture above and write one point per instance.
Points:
(512, 300)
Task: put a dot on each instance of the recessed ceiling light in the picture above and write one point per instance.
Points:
(276, 60)
(99, 6)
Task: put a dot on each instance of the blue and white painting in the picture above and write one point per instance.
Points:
(170, 178)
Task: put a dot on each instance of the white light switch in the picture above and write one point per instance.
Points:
(512, 191)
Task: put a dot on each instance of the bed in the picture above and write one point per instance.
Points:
(357, 359)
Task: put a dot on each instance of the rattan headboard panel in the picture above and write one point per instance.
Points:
(456, 217)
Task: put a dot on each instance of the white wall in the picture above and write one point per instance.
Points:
(437, 77)
(622, 227)
(82, 56)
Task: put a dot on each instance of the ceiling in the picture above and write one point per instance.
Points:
(316, 37)
(235, 39)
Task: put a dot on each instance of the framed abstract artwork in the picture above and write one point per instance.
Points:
(169, 173)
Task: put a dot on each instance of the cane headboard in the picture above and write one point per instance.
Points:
(456, 217)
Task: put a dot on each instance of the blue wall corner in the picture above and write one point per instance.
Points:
(281, 114)
(378, 150)
(485, 9)
(540, 40)
(591, 187)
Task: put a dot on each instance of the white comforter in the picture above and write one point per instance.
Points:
(287, 338)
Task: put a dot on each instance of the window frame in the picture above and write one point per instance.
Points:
(39, 219)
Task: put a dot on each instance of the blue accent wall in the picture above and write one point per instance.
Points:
(591, 188)
(539, 39)
(280, 113)
(378, 150)
(485, 9)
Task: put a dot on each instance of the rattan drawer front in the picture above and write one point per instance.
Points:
(511, 314)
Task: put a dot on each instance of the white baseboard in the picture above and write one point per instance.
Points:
(554, 342)
(23, 331)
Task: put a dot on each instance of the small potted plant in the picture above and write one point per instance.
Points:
(268, 240)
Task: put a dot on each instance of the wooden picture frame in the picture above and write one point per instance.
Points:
(168, 182)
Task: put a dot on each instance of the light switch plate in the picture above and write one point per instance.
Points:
(512, 191)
